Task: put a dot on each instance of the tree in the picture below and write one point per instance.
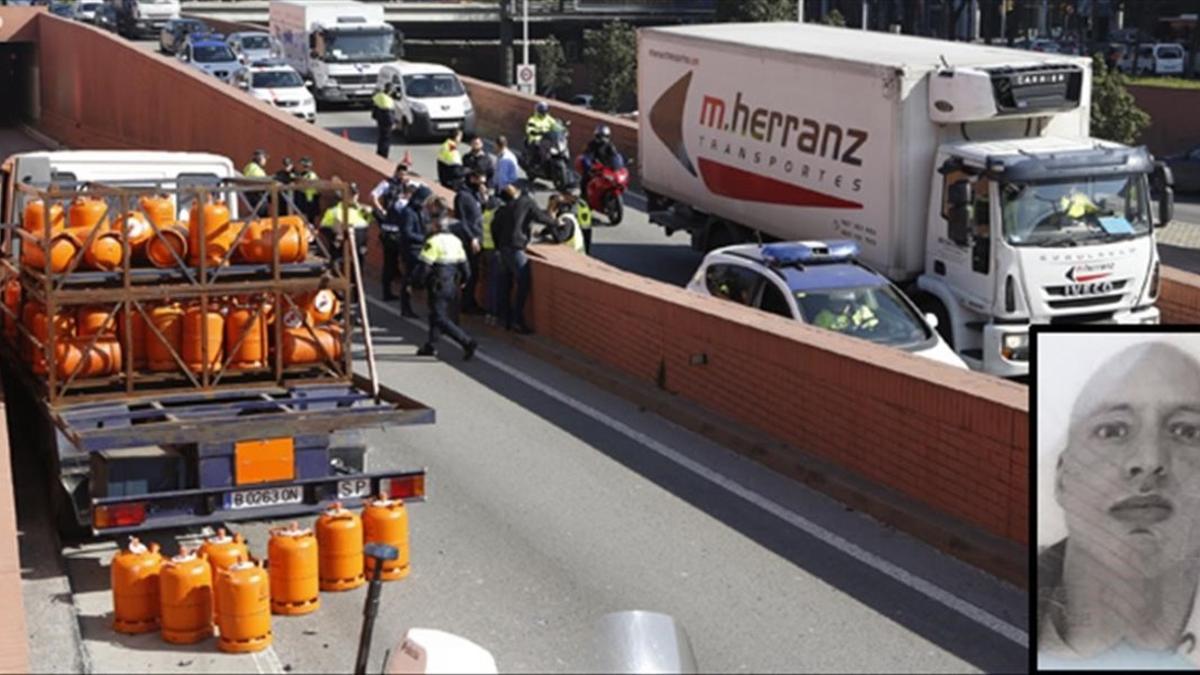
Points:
(553, 73)
(834, 18)
(1115, 115)
(756, 10)
(611, 55)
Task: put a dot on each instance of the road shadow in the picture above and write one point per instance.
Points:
(99, 628)
(1187, 259)
(674, 265)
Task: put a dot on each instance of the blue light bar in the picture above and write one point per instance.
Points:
(792, 253)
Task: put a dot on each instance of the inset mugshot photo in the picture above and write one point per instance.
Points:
(1118, 441)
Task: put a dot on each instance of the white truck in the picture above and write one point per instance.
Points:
(339, 46)
(965, 172)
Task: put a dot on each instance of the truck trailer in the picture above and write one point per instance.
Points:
(340, 46)
(966, 173)
(169, 388)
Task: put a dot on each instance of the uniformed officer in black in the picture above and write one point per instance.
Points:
(443, 266)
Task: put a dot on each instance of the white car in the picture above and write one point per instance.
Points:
(86, 11)
(253, 46)
(822, 284)
(1153, 59)
(278, 84)
(210, 55)
(430, 99)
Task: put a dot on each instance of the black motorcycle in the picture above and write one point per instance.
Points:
(551, 161)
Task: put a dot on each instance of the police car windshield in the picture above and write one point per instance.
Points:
(256, 42)
(875, 313)
(276, 79)
(1074, 211)
(432, 86)
(211, 54)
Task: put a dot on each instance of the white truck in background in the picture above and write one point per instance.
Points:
(339, 46)
(143, 18)
(965, 172)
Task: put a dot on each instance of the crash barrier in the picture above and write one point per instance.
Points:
(1179, 296)
(952, 440)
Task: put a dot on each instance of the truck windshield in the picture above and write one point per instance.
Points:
(432, 86)
(874, 313)
(359, 46)
(1074, 212)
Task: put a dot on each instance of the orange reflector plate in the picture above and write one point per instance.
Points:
(265, 461)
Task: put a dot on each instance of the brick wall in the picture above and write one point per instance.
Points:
(1174, 124)
(953, 440)
(1179, 296)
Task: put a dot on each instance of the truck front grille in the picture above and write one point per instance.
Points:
(1093, 301)
(1094, 317)
(354, 79)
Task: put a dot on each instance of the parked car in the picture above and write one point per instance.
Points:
(253, 46)
(210, 55)
(106, 18)
(173, 34)
(1186, 167)
(63, 9)
(1153, 59)
(278, 84)
(582, 100)
(85, 11)
(821, 283)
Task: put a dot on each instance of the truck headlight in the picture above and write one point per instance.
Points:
(1015, 347)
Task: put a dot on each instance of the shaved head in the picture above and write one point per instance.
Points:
(1140, 369)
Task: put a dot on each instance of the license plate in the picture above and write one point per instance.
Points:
(447, 125)
(253, 499)
(358, 487)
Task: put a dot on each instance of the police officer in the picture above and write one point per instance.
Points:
(285, 175)
(577, 206)
(308, 200)
(443, 268)
(566, 231)
(844, 316)
(257, 168)
(539, 124)
(413, 220)
(449, 161)
(383, 111)
(390, 236)
(339, 218)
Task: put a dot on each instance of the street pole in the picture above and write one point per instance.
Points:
(864, 26)
(525, 20)
(1004, 21)
(800, 11)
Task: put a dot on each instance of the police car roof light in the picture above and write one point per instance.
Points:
(794, 253)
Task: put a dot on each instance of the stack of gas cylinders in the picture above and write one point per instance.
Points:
(220, 588)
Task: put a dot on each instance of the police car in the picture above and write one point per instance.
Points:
(822, 284)
(278, 84)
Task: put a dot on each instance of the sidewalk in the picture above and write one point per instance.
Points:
(1179, 245)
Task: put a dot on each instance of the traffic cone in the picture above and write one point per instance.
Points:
(407, 158)
(345, 134)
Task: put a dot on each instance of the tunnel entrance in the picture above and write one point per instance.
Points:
(16, 81)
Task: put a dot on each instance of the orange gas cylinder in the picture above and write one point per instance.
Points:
(222, 551)
(169, 238)
(168, 319)
(92, 320)
(135, 344)
(218, 232)
(244, 609)
(300, 347)
(319, 306)
(340, 543)
(195, 324)
(292, 552)
(252, 352)
(158, 209)
(12, 301)
(185, 591)
(63, 247)
(137, 228)
(101, 358)
(105, 253)
(35, 217)
(385, 521)
(257, 245)
(87, 213)
(135, 588)
(37, 323)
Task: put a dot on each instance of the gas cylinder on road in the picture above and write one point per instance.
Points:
(340, 543)
(244, 607)
(221, 551)
(292, 552)
(135, 588)
(185, 591)
(385, 521)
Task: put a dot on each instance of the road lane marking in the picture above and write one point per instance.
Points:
(929, 590)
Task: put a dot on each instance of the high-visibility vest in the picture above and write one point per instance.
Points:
(583, 213)
(488, 243)
(383, 101)
(443, 248)
(311, 193)
(576, 240)
(538, 126)
(862, 317)
(449, 153)
(253, 170)
(354, 216)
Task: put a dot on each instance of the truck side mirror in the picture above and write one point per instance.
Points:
(1162, 184)
(960, 213)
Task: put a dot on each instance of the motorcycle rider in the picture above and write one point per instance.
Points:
(600, 150)
(539, 124)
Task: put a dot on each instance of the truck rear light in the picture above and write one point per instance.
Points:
(405, 487)
(118, 515)
(1010, 295)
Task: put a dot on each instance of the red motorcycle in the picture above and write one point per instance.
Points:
(604, 189)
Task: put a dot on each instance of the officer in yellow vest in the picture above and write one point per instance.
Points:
(308, 200)
(449, 162)
(383, 111)
(583, 214)
(845, 317)
(339, 218)
(257, 168)
(443, 267)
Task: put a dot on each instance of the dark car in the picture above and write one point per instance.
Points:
(172, 36)
(63, 9)
(106, 18)
(1186, 167)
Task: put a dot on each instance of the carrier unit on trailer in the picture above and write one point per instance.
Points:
(965, 172)
(168, 387)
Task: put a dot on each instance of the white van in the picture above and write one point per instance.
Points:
(430, 99)
(1154, 59)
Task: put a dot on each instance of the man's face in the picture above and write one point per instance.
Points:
(476, 145)
(1129, 479)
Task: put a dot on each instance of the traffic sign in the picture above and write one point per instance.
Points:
(527, 78)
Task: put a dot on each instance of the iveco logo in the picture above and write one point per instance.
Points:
(1097, 288)
(1081, 274)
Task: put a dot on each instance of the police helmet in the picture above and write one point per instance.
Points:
(602, 131)
(541, 108)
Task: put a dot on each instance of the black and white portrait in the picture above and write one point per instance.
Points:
(1118, 500)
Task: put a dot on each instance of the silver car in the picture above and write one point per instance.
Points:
(210, 56)
(252, 46)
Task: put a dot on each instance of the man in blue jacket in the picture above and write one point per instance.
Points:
(468, 205)
(413, 223)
